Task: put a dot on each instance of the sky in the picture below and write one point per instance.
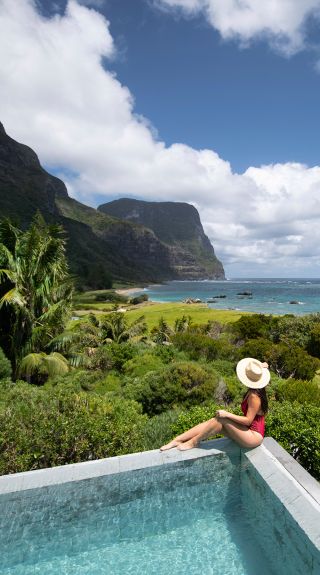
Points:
(210, 102)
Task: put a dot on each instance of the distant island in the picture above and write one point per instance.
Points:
(127, 240)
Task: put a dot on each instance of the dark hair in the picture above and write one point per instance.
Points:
(263, 397)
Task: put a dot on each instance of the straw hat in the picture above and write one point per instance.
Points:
(251, 373)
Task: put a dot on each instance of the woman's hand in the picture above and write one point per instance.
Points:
(221, 413)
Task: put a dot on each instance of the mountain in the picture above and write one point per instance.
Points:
(99, 245)
(178, 226)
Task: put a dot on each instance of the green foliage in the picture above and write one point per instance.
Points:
(161, 333)
(297, 428)
(199, 346)
(116, 327)
(285, 359)
(158, 429)
(142, 364)
(192, 417)
(300, 391)
(313, 344)
(253, 326)
(224, 367)
(139, 299)
(177, 384)
(5, 366)
(37, 367)
(296, 329)
(120, 353)
(35, 288)
(57, 426)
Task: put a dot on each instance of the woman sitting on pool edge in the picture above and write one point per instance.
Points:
(248, 429)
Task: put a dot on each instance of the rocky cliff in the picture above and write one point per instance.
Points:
(178, 226)
(99, 244)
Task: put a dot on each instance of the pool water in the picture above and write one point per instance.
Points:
(183, 518)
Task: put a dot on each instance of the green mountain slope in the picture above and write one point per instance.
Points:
(99, 245)
(178, 226)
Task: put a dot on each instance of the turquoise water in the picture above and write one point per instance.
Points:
(178, 519)
(270, 296)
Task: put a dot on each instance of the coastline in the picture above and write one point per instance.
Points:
(129, 291)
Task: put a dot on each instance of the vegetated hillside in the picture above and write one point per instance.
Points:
(99, 246)
(177, 225)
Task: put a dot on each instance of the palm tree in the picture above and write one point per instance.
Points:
(35, 287)
(116, 327)
(37, 367)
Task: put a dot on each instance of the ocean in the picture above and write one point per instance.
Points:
(268, 296)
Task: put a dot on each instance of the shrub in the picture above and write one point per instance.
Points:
(5, 366)
(182, 383)
(297, 390)
(158, 429)
(296, 329)
(199, 346)
(286, 360)
(57, 426)
(139, 299)
(313, 345)
(142, 364)
(297, 428)
(192, 417)
(253, 326)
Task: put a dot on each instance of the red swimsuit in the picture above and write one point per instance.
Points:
(258, 422)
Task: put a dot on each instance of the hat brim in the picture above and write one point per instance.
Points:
(241, 373)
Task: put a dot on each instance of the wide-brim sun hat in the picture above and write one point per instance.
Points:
(251, 373)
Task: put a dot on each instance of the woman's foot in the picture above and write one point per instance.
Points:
(170, 445)
(187, 445)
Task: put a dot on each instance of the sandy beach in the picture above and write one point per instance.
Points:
(129, 291)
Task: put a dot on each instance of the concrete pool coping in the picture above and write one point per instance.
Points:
(297, 490)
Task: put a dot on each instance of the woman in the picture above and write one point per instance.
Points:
(247, 429)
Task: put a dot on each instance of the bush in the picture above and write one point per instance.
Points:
(300, 391)
(182, 383)
(253, 326)
(142, 364)
(5, 366)
(199, 346)
(313, 345)
(158, 429)
(286, 360)
(192, 417)
(43, 428)
(297, 428)
(297, 329)
(139, 299)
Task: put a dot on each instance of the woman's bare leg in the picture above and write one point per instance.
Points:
(241, 434)
(195, 434)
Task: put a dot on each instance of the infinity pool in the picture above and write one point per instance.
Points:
(195, 517)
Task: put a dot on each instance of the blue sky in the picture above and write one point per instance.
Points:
(251, 105)
(213, 103)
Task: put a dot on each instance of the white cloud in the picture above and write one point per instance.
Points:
(281, 22)
(57, 97)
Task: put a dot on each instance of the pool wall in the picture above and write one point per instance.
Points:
(282, 502)
(281, 499)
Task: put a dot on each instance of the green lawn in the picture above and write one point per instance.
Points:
(199, 313)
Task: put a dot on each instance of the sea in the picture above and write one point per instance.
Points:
(265, 295)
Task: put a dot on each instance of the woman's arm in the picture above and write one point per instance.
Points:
(254, 404)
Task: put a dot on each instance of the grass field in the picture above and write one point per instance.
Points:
(199, 313)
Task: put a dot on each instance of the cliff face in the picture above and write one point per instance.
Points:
(24, 185)
(99, 244)
(178, 226)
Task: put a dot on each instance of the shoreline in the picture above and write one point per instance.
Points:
(129, 291)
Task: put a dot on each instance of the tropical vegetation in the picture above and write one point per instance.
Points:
(119, 380)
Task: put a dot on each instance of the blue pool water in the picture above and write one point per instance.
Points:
(213, 515)
(176, 519)
(270, 296)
